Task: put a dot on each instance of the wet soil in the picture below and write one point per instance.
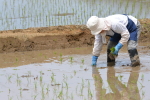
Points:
(55, 37)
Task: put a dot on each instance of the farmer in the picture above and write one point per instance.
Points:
(122, 29)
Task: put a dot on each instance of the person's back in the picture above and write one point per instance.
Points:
(122, 29)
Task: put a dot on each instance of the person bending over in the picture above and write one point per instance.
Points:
(122, 29)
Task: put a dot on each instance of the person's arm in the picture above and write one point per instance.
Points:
(120, 28)
(97, 48)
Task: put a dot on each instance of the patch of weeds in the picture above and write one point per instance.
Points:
(54, 40)
(40, 54)
(45, 57)
(77, 48)
(55, 53)
(16, 59)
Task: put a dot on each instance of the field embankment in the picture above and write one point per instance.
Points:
(55, 37)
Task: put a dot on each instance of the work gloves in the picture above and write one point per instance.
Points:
(94, 60)
(117, 48)
(114, 51)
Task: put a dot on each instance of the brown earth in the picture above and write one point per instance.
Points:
(55, 37)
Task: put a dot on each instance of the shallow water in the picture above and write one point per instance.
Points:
(22, 14)
(67, 75)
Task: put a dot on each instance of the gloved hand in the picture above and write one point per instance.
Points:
(117, 48)
(94, 60)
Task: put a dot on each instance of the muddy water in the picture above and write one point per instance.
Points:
(67, 75)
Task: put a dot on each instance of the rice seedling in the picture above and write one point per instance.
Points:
(43, 94)
(16, 59)
(90, 95)
(82, 61)
(65, 77)
(72, 98)
(20, 92)
(52, 78)
(61, 60)
(55, 53)
(10, 98)
(29, 73)
(120, 77)
(47, 89)
(19, 82)
(81, 66)
(75, 72)
(82, 87)
(41, 77)
(34, 97)
(9, 91)
(66, 85)
(60, 95)
(71, 59)
(76, 89)
(35, 86)
(143, 93)
(9, 78)
(142, 77)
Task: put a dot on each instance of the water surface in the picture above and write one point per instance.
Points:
(22, 14)
(67, 75)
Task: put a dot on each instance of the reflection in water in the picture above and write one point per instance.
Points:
(119, 90)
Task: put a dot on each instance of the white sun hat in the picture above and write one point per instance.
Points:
(95, 24)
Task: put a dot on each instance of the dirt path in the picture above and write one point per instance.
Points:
(55, 37)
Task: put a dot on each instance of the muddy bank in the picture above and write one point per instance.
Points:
(55, 37)
(45, 38)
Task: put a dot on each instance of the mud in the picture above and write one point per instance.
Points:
(55, 37)
(45, 38)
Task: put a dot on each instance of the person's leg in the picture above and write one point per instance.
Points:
(133, 53)
(139, 30)
(109, 46)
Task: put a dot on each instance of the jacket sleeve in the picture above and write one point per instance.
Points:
(121, 29)
(97, 45)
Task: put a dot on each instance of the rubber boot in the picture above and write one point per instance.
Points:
(134, 57)
(110, 62)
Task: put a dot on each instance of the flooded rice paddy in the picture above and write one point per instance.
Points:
(67, 74)
(22, 14)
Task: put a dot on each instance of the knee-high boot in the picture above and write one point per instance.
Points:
(134, 57)
(110, 62)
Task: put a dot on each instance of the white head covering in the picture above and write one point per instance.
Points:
(95, 24)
